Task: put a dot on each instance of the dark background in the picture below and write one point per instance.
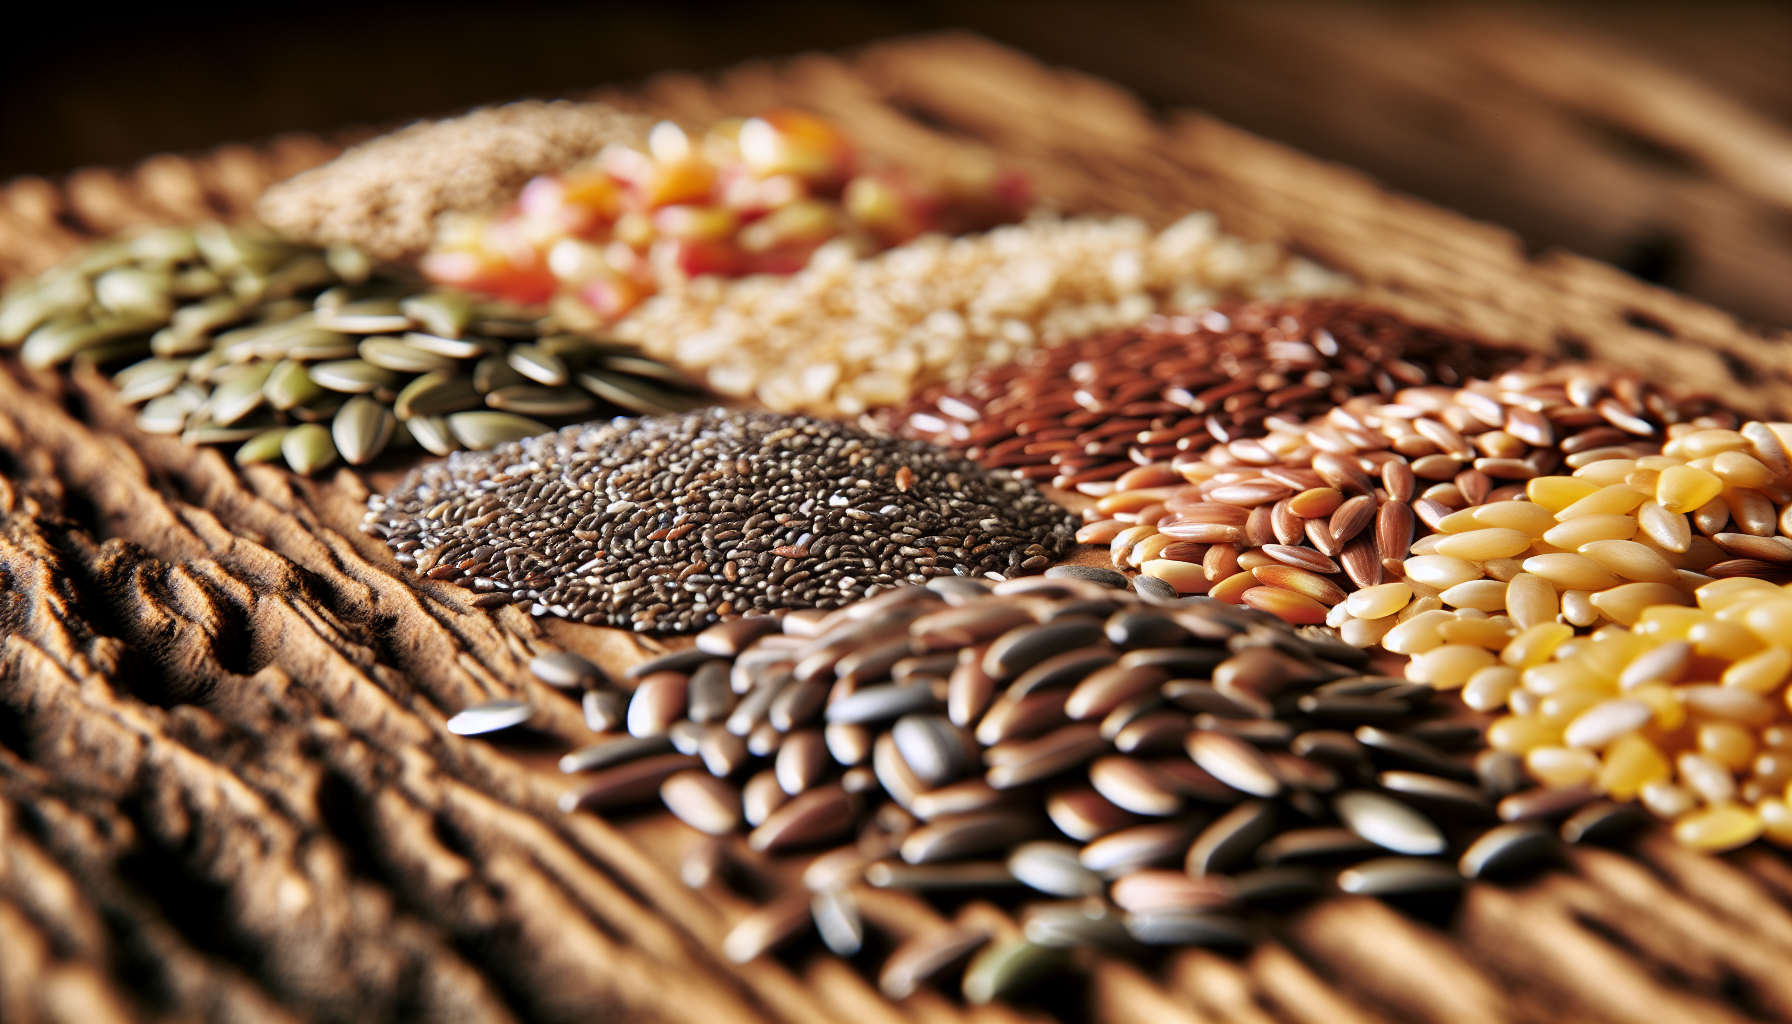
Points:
(1364, 83)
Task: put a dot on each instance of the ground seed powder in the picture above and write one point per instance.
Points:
(671, 522)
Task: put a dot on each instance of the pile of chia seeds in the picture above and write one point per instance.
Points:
(669, 523)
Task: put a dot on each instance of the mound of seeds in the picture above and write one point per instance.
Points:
(1159, 773)
(309, 355)
(1084, 413)
(669, 523)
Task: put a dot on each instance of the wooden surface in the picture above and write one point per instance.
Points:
(226, 789)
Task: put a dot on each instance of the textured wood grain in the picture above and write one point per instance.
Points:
(227, 792)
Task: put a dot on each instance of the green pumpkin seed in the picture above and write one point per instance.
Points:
(319, 410)
(482, 430)
(229, 249)
(362, 429)
(445, 314)
(195, 283)
(103, 257)
(133, 291)
(205, 431)
(434, 394)
(165, 415)
(1008, 967)
(303, 273)
(432, 433)
(308, 448)
(641, 366)
(290, 384)
(54, 295)
(393, 354)
(317, 345)
(349, 263)
(454, 348)
(366, 316)
(126, 350)
(169, 343)
(164, 246)
(353, 376)
(263, 447)
(269, 339)
(151, 378)
(533, 401)
(494, 372)
(634, 394)
(209, 315)
(240, 395)
(204, 366)
(58, 341)
(539, 365)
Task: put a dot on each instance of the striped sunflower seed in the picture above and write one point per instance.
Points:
(240, 395)
(635, 395)
(367, 316)
(435, 394)
(444, 314)
(263, 447)
(453, 348)
(401, 357)
(539, 401)
(150, 378)
(539, 365)
(353, 376)
(289, 385)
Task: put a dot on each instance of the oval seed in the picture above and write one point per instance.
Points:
(1053, 868)
(308, 448)
(1682, 489)
(1668, 529)
(1570, 571)
(1389, 876)
(702, 801)
(1235, 763)
(482, 430)
(1388, 823)
(1231, 840)
(1482, 545)
(361, 429)
(1480, 595)
(1587, 529)
(1718, 829)
(1441, 571)
(1379, 601)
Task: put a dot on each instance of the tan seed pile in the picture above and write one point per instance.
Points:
(846, 335)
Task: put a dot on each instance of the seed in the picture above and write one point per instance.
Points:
(491, 716)
(308, 448)
(817, 815)
(1388, 823)
(482, 430)
(1005, 968)
(566, 670)
(925, 955)
(624, 784)
(1718, 829)
(1148, 891)
(1057, 751)
(1314, 845)
(1053, 868)
(1682, 489)
(1604, 822)
(700, 800)
(955, 836)
(1388, 876)
(1235, 763)
(1140, 846)
(362, 428)
(1231, 840)
(1092, 573)
(767, 928)
(931, 746)
(1481, 595)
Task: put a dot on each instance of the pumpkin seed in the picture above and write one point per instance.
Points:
(132, 291)
(308, 448)
(367, 316)
(165, 415)
(289, 384)
(317, 344)
(639, 366)
(432, 433)
(534, 401)
(482, 430)
(1008, 967)
(444, 314)
(263, 447)
(436, 393)
(241, 395)
(539, 365)
(362, 429)
(635, 395)
(59, 340)
(353, 376)
(396, 355)
(150, 378)
(349, 263)
(455, 347)
(494, 372)
(205, 431)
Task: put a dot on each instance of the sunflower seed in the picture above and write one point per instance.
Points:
(432, 433)
(1188, 928)
(1388, 823)
(1395, 876)
(818, 814)
(289, 384)
(1025, 646)
(702, 801)
(633, 394)
(878, 703)
(368, 316)
(1053, 868)
(1414, 753)
(1042, 758)
(1314, 846)
(1507, 850)
(308, 448)
(491, 716)
(951, 837)
(613, 752)
(767, 928)
(1154, 589)
(263, 447)
(494, 372)
(1007, 968)
(925, 955)
(150, 378)
(241, 395)
(1545, 802)
(1140, 846)
(937, 877)
(566, 670)
(1444, 795)
(603, 709)
(445, 314)
(1604, 823)
(362, 429)
(1235, 763)
(539, 365)
(1231, 840)
(1092, 573)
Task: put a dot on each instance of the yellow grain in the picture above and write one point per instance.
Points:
(1557, 676)
(1459, 522)
(1186, 577)
(1378, 601)
(1441, 571)
(1148, 549)
(1586, 529)
(1771, 621)
(1566, 705)
(1535, 644)
(1556, 493)
(1727, 743)
(1231, 589)
(1417, 634)
(1517, 734)
(1625, 604)
(1643, 481)
(1631, 560)
(1776, 820)
(1255, 557)
(1448, 666)
(1630, 763)
(1366, 632)
(1718, 828)
(1613, 500)
(1123, 542)
(1684, 488)
(1481, 595)
(1491, 633)
(1561, 766)
(1481, 545)
(1578, 609)
(1706, 443)
(1606, 472)
(1571, 571)
(1727, 640)
(1722, 593)
(1668, 529)
(1740, 470)
(1421, 603)
(1526, 516)
(1762, 672)
(1488, 688)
